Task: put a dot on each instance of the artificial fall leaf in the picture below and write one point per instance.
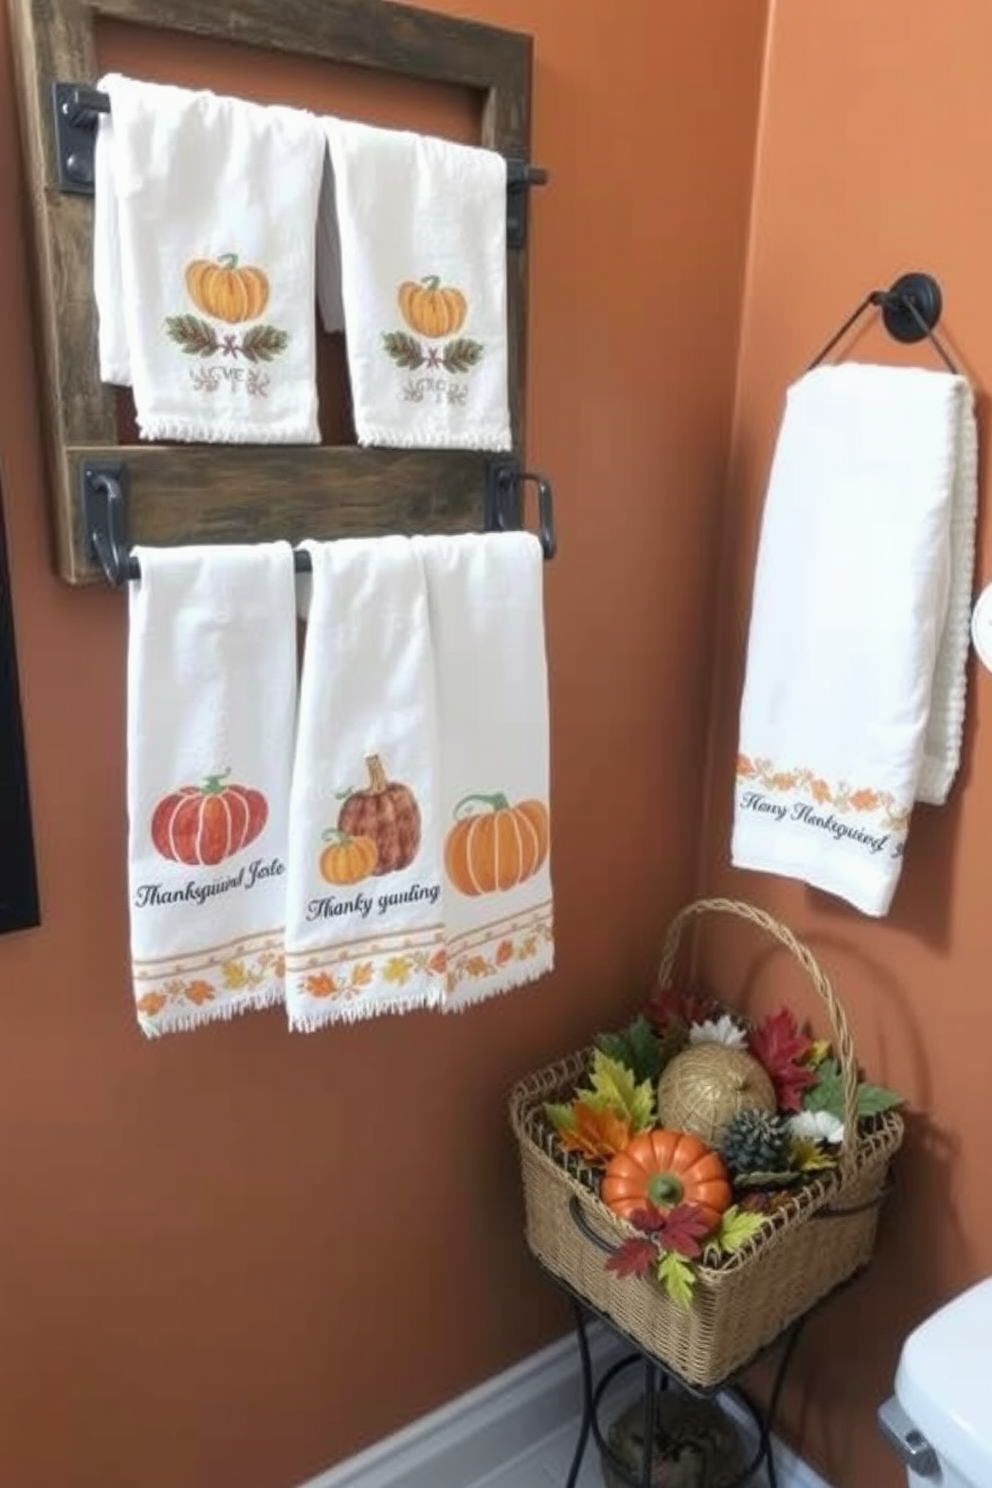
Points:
(676, 1005)
(633, 1258)
(818, 1051)
(778, 1045)
(736, 1229)
(807, 1156)
(615, 1088)
(562, 1117)
(827, 1094)
(595, 1134)
(637, 1046)
(649, 1220)
(677, 1277)
(684, 1229)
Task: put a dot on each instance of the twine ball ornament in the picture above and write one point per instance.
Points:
(706, 1085)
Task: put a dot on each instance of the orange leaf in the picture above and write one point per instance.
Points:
(745, 766)
(504, 952)
(597, 1135)
(820, 791)
(321, 984)
(477, 966)
(198, 993)
(152, 1003)
(438, 963)
(864, 800)
(361, 975)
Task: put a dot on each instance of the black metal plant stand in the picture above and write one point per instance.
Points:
(658, 1376)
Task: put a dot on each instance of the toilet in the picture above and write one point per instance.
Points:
(939, 1420)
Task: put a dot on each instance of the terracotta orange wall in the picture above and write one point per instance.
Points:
(875, 142)
(237, 1256)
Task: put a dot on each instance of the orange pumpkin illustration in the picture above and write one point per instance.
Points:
(224, 290)
(387, 812)
(347, 860)
(203, 824)
(498, 846)
(433, 309)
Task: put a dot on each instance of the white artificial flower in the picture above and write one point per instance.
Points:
(718, 1031)
(817, 1126)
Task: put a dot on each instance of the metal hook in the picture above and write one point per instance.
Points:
(910, 307)
(545, 512)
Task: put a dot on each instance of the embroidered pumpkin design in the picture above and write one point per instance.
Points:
(496, 847)
(347, 860)
(388, 814)
(659, 1169)
(223, 289)
(433, 309)
(203, 824)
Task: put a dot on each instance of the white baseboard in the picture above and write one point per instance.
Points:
(486, 1436)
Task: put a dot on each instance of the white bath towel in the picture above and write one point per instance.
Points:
(210, 717)
(412, 262)
(854, 696)
(204, 254)
(485, 594)
(364, 926)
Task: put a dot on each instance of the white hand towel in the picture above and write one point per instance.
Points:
(412, 260)
(204, 253)
(854, 696)
(211, 708)
(364, 926)
(487, 625)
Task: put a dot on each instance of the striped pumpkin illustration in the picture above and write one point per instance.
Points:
(494, 845)
(203, 824)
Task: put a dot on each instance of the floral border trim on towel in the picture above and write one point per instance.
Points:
(217, 983)
(894, 817)
(494, 949)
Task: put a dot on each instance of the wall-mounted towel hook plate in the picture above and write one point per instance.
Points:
(911, 307)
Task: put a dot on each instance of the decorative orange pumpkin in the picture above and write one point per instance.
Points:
(659, 1169)
(433, 309)
(498, 847)
(204, 824)
(226, 291)
(387, 812)
(347, 860)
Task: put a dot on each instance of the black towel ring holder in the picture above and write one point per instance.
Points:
(911, 309)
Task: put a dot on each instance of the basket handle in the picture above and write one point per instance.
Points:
(841, 1034)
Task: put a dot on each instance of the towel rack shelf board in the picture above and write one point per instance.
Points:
(231, 493)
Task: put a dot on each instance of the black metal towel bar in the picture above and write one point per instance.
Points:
(78, 106)
(105, 504)
(911, 308)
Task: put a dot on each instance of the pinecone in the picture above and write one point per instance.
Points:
(755, 1142)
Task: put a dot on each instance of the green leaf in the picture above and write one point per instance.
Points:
(678, 1277)
(637, 1046)
(809, 1157)
(736, 1229)
(828, 1094)
(462, 355)
(405, 350)
(874, 1099)
(615, 1088)
(562, 1118)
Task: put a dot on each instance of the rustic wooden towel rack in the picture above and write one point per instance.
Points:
(106, 494)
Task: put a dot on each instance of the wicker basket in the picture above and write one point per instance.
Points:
(820, 1237)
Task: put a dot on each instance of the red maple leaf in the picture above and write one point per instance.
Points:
(650, 1220)
(779, 1046)
(674, 1004)
(633, 1258)
(685, 1226)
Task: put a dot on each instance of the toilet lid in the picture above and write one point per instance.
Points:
(944, 1382)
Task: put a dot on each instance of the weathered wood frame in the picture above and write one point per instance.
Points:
(184, 494)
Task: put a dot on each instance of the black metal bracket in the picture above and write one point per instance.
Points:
(103, 488)
(506, 486)
(77, 107)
